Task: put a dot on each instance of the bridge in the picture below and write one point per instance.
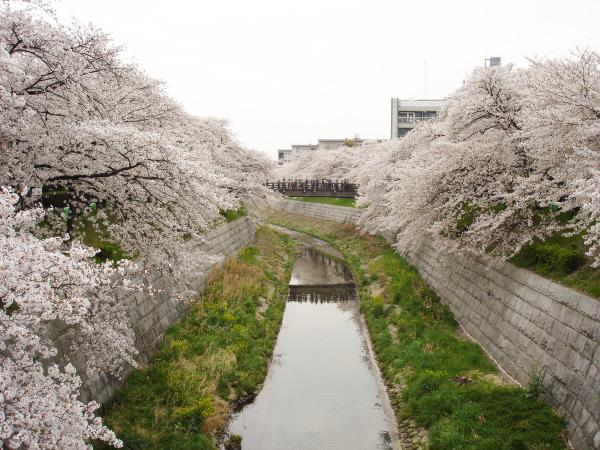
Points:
(314, 188)
(322, 293)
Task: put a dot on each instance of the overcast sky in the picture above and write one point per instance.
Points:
(288, 72)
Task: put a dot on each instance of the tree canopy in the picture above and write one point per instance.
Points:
(511, 151)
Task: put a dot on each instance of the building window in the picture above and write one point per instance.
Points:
(406, 117)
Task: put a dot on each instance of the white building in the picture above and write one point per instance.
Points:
(406, 114)
(285, 156)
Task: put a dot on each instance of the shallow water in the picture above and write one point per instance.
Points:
(321, 392)
(315, 268)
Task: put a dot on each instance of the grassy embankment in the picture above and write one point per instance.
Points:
(436, 378)
(231, 215)
(215, 356)
(87, 226)
(327, 200)
(558, 257)
(94, 234)
(563, 259)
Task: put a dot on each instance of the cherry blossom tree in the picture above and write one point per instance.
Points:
(342, 162)
(512, 149)
(43, 284)
(563, 125)
(75, 116)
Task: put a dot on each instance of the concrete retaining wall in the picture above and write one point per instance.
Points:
(341, 214)
(530, 325)
(152, 315)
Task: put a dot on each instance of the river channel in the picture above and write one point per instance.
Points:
(323, 390)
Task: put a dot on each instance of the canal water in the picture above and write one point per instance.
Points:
(323, 390)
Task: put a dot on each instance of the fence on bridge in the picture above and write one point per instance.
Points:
(314, 188)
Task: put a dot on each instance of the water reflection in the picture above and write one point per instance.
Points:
(321, 392)
(316, 268)
(320, 294)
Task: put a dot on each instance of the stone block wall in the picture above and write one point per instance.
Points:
(152, 315)
(530, 325)
(341, 214)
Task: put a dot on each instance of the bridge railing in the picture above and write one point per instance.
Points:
(312, 188)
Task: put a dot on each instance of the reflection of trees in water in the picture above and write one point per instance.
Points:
(315, 265)
(322, 294)
(338, 266)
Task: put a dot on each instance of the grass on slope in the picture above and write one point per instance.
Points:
(91, 231)
(327, 200)
(436, 378)
(233, 214)
(563, 259)
(558, 257)
(215, 356)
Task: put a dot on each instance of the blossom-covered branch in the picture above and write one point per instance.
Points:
(43, 283)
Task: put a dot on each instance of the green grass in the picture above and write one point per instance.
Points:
(231, 215)
(561, 258)
(327, 200)
(86, 225)
(436, 378)
(558, 257)
(94, 233)
(89, 230)
(215, 356)
(96, 236)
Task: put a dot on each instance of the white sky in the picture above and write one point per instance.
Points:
(289, 72)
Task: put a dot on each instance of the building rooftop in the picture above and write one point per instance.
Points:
(341, 140)
(421, 102)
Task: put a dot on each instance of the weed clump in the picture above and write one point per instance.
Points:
(234, 442)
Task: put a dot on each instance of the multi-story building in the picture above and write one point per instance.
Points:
(285, 156)
(288, 155)
(406, 114)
